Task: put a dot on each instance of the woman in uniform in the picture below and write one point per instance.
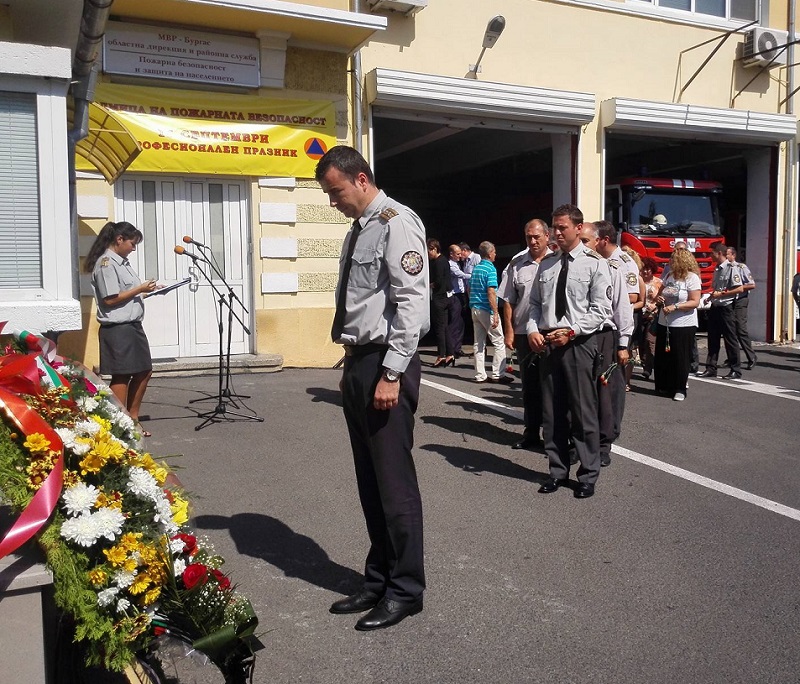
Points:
(124, 350)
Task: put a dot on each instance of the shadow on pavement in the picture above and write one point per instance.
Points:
(479, 462)
(264, 537)
(329, 396)
(474, 427)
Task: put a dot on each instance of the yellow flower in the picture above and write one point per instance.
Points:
(98, 577)
(116, 555)
(130, 541)
(152, 595)
(92, 463)
(71, 478)
(102, 422)
(130, 564)
(140, 584)
(107, 447)
(160, 473)
(180, 510)
(37, 442)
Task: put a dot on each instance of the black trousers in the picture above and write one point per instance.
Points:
(440, 305)
(455, 322)
(531, 387)
(569, 408)
(721, 324)
(742, 334)
(672, 367)
(611, 393)
(386, 477)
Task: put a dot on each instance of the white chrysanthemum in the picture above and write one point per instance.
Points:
(177, 545)
(163, 516)
(123, 605)
(67, 436)
(106, 596)
(109, 522)
(123, 420)
(124, 579)
(178, 567)
(80, 448)
(80, 498)
(88, 404)
(82, 530)
(88, 428)
(142, 483)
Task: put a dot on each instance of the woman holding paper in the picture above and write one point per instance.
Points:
(119, 292)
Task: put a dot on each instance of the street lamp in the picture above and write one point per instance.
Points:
(493, 30)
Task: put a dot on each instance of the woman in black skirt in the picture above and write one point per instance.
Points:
(118, 290)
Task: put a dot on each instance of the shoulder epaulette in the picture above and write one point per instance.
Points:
(388, 214)
(105, 261)
(625, 257)
(551, 255)
(613, 263)
(518, 257)
(592, 253)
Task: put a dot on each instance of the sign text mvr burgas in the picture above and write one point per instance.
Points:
(156, 52)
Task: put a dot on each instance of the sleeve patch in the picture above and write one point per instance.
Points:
(412, 262)
(609, 291)
(388, 214)
(737, 279)
(631, 279)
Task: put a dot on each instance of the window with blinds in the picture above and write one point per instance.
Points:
(20, 234)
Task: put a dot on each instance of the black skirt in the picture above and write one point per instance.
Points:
(124, 349)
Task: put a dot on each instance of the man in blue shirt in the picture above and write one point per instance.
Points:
(486, 318)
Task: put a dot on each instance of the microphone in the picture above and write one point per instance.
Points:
(181, 250)
(189, 241)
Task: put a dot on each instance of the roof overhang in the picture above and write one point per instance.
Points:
(307, 25)
(501, 104)
(693, 121)
(109, 146)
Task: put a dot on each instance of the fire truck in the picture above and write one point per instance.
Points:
(652, 214)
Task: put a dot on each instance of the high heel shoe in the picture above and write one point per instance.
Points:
(439, 363)
(450, 361)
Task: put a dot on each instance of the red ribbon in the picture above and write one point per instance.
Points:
(38, 511)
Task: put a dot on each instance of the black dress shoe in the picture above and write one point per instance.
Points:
(605, 460)
(707, 374)
(387, 613)
(584, 491)
(551, 485)
(733, 375)
(357, 603)
(751, 364)
(527, 444)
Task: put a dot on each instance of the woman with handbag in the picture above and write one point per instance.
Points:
(678, 298)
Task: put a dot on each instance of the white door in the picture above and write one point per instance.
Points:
(213, 212)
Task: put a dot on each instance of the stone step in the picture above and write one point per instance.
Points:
(209, 365)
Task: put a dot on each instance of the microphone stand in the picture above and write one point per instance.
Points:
(212, 262)
(221, 411)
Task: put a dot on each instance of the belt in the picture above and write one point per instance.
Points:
(364, 349)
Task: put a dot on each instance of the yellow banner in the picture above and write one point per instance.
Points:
(184, 131)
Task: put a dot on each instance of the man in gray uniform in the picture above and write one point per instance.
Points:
(570, 301)
(726, 284)
(382, 310)
(612, 340)
(740, 308)
(515, 290)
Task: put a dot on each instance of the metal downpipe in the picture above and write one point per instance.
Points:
(790, 196)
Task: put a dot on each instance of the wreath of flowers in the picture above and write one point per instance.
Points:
(125, 566)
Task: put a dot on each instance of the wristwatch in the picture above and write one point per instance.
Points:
(391, 375)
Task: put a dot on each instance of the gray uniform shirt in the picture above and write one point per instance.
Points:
(747, 278)
(515, 288)
(621, 307)
(111, 275)
(387, 299)
(589, 293)
(727, 276)
(630, 271)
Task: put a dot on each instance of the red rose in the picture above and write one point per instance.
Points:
(189, 543)
(224, 582)
(90, 387)
(195, 574)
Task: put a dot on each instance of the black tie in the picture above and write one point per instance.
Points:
(561, 288)
(338, 318)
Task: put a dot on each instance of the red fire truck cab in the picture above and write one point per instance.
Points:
(652, 214)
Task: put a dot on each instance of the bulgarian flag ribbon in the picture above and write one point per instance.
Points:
(38, 511)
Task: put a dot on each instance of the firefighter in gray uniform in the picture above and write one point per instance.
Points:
(382, 310)
(612, 340)
(570, 302)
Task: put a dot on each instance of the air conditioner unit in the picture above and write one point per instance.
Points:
(407, 7)
(762, 45)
